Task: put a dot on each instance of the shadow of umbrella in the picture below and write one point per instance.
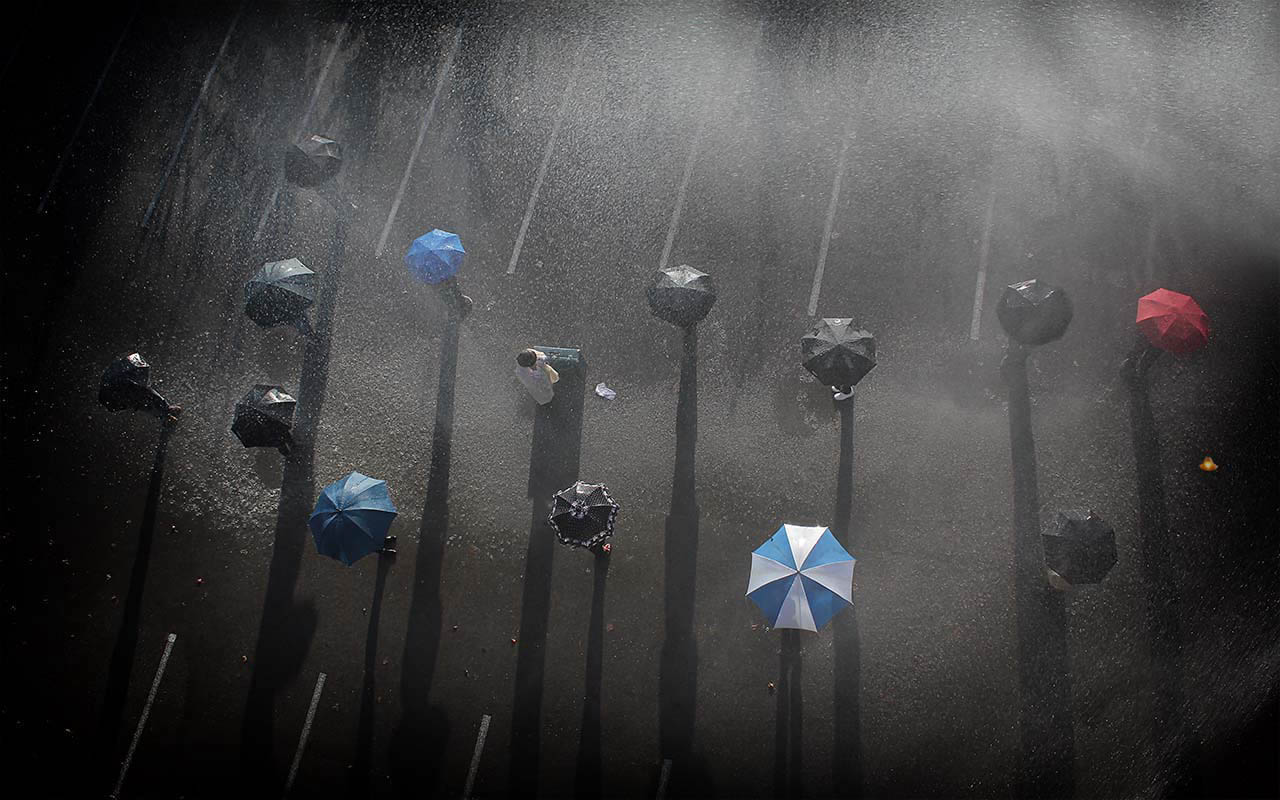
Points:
(588, 780)
(122, 656)
(359, 778)
(846, 639)
(788, 768)
(418, 740)
(553, 464)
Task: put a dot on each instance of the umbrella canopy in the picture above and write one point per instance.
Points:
(280, 294)
(584, 514)
(126, 384)
(681, 295)
(313, 161)
(264, 418)
(1080, 547)
(352, 517)
(434, 257)
(1173, 321)
(1033, 312)
(807, 596)
(838, 352)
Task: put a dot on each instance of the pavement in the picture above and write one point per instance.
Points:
(874, 158)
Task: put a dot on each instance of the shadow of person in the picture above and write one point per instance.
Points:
(788, 770)
(553, 465)
(358, 785)
(287, 627)
(678, 668)
(419, 738)
(846, 639)
(122, 656)
(588, 782)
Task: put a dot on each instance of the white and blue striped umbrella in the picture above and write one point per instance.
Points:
(806, 596)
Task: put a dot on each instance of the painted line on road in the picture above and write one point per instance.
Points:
(684, 189)
(191, 115)
(475, 757)
(302, 126)
(306, 731)
(546, 160)
(980, 287)
(441, 79)
(663, 778)
(826, 232)
(84, 115)
(146, 712)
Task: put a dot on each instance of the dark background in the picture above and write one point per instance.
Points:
(1123, 147)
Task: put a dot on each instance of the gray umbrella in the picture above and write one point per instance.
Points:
(681, 295)
(838, 352)
(1033, 312)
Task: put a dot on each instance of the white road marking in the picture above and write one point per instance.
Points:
(663, 778)
(191, 115)
(62, 160)
(306, 731)
(684, 189)
(546, 160)
(146, 712)
(826, 232)
(302, 127)
(441, 79)
(475, 757)
(983, 251)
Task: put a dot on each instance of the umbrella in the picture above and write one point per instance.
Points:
(1033, 312)
(126, 384)
(838, 353)
(280, 293)
(435, 257)
(264, 418)
(351, 517)
(681, 295)
(1173, 321)
(1080, 547)
(313, 161)
(806, 597)
(583, 515)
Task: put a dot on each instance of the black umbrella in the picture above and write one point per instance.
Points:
(126, 384)
(1033, 312)
(583, 515)
(313, 161)
(838, 352)
(1080, 547)
(280, 294)
(264, 418)
(681, 295)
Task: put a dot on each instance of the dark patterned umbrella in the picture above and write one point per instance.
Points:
(681, 295)
(838, 352)
(313, 161)
(583, 515)
(126, 384)
(280, 294)
(264, 418)
(1033, 312)
(1080, 547)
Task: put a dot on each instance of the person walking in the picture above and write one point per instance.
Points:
(536, 374)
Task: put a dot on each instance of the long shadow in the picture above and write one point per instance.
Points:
(788, 767)
(122, 656)
(419, 738)
(589, 777)
(553, 465)
(1047, 766)
(286, 630)
(678, 672)
(847, 778)
(1157, 578)
(359, 777)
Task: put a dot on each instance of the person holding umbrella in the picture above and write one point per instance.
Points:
(434, 258)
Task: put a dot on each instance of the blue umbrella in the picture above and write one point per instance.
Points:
(351, 517)
(435, 257)
(805, 596)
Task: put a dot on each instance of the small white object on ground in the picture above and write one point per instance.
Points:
(605, 391)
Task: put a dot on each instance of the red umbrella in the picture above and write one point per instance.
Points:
(1173, 321)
